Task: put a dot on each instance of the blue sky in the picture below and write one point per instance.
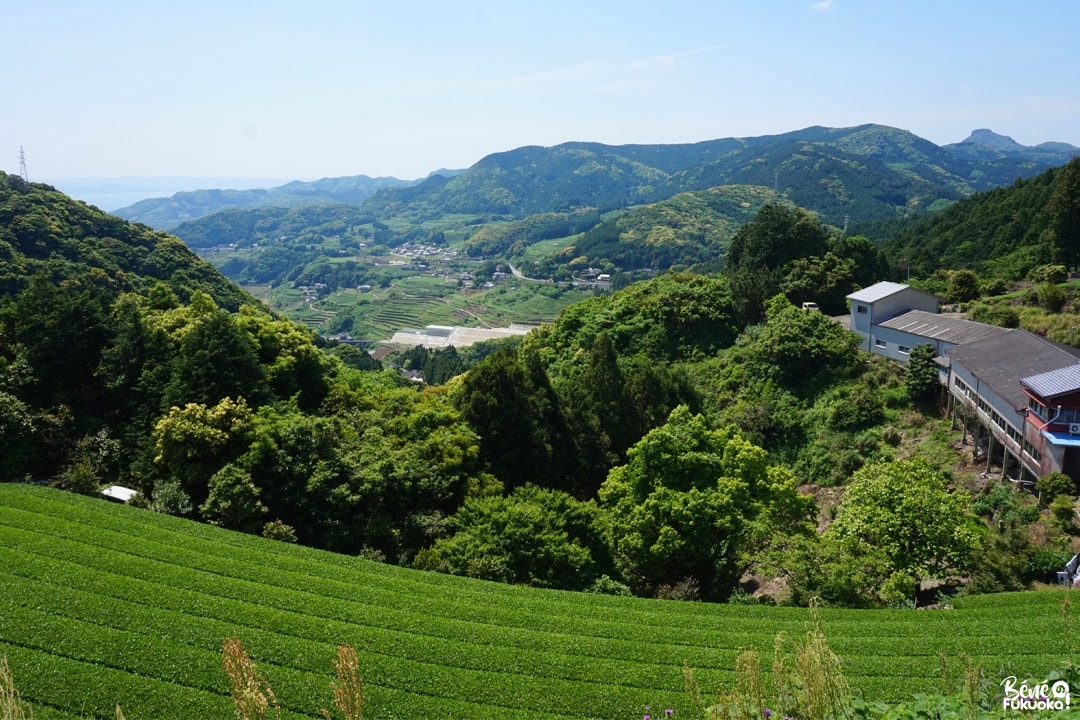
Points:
(322, 88)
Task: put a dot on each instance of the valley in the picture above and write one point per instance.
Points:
(676, 428)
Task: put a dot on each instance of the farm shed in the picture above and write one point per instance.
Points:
(872, 306)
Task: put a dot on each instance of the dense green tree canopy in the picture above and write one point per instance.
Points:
(1004, 233)
(686, 504)
(534, 536)
(638, 437)
(775, 237)
(674, 316)
(906, 511)
(788, 250)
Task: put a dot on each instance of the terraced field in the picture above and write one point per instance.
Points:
(103, 604)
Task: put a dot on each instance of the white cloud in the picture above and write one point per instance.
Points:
(821, 6)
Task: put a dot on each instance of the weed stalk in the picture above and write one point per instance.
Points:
(11, 706)
(251, 693)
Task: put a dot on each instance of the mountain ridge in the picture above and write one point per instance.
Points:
(825, 170)
(986, 144)
(167, 213)
(816, 165)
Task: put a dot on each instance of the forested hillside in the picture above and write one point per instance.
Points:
(186, 389)
(870, 172)
(688, 229)
(46, 234)
(1003, 233)
(652, 440)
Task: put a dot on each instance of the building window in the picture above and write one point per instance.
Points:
(880, 343)
(904, 349)
(1037, 407)
(1014, 434)
(1067, 416)
(861, 309)
(1031, 451)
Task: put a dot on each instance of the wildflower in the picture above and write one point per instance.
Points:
(768, 713)
(669, 712)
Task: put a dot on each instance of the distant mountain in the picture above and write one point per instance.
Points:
(167, 213)
(864, 173)
(987, 144)
(534, 179)
(110, 193)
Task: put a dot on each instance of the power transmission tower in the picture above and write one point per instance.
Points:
(22, 165)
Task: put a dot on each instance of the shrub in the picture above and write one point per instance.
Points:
(921, 375)
(899, 590)
(1049, 274)
(605, 585)
(686, 589)
(963, 286)
(277, 530)
(170, 499)
(1064, 511)
(995, 287)
(995, 314)
(1051, 298)
(854, 407)
(741, 597)
(1054, 485)
(1043, 565)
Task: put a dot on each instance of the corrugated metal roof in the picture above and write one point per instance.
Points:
(933, 326)
(1055, 383)
(1001, 360)
(877, 291)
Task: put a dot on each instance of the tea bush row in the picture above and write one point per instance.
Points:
(81, 580)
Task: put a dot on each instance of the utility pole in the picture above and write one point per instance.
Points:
(22, 165)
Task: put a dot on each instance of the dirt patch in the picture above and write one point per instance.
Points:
(827, 499)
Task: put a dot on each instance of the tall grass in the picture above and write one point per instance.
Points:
(251, 693)
(807, 683)
(349, 688)
(254, 699)
(11, 706)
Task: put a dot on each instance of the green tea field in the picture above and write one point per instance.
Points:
(103, 604)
